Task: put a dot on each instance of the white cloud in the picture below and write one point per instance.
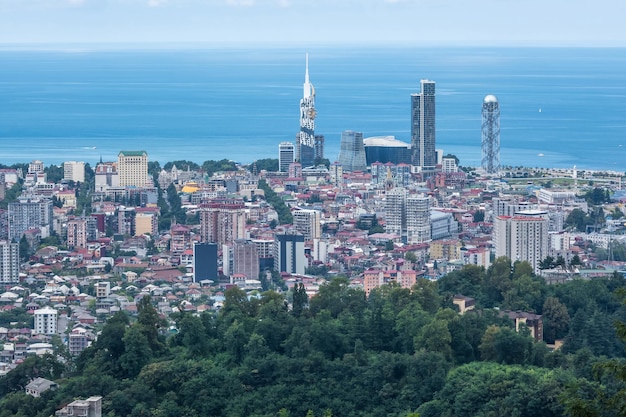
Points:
(284, 3)
(240, 3)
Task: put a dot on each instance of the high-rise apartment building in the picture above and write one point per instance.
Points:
(352, 151)
(307, 222)
(46, 321)
(395, 215)
(424, 156)
(289, 253)
(74, 171)
(305, 138)
(132, 168)
(9, 262)
(27, 213)
(407, 215)
(523, 237)
(286, 155)
(245, 258)
(223, 221)
(491, 134)
(417, 219)
(80, 231)
(335, 171)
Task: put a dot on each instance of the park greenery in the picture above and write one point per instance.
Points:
(397, 352)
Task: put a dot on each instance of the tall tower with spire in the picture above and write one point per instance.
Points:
(305, 138)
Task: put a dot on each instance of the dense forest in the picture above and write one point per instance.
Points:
(398, 352)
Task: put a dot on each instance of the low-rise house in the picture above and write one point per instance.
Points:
(38, 386)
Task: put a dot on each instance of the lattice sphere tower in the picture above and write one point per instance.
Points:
(491, 134)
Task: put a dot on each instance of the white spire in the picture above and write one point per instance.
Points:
(307, 83)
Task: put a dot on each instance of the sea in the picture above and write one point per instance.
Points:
(560, 107)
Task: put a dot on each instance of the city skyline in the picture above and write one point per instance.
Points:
(485, 22)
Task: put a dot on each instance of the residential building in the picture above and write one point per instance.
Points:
(38, 386)
(245, 258)
(423, 154)
(377, 278)
(523, 237)
(9, 262)
(146, 223)
(307, 222)
(222, 221)
(80, 231)
(132, 167)
(533, 322)
(417, 219)
(395, 214)
(91, 407)
(29, 212)
(74, 171)
(46, 321)
(336, 174)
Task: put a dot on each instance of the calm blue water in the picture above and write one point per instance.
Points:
(240, 103)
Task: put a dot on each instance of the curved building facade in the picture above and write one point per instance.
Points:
(352, 151)
(386, 149)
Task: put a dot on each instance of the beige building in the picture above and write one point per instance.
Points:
(445, 249)
(74, 171)
(132, 168)
(146, 223)
(307, 222)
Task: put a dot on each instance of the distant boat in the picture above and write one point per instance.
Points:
(89, 147)
(540, 154)
(539, 109)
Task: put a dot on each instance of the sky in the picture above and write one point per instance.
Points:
(313, 22)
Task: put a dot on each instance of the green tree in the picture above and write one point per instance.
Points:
(555, 320)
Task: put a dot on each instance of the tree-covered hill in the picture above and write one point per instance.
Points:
(394, 353)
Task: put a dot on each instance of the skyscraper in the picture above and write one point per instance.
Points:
(423, 154)
(305, 138)
(285, 155)
(491, 134)
(352, 151)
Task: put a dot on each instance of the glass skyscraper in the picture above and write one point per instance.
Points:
(352, 151)
(423, 153)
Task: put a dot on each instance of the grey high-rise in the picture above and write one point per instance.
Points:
(491, 134)
(352, 151)
(423, 153)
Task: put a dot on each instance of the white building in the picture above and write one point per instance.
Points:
(307, 222)
(522, 238)
(74, 171)
(417, 219)
(286, 155)
(46, 321)
(9, 262)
